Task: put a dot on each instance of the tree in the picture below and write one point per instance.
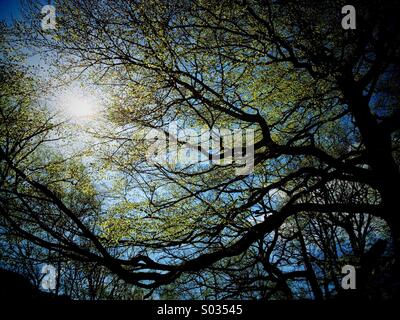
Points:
(322, 102)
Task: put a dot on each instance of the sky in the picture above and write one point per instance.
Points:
(76, 103)
(9, 10)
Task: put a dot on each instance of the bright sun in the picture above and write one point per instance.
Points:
(78, 104)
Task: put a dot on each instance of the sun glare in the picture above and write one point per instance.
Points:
(78, 104)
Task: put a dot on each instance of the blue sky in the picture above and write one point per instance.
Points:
(9, 10)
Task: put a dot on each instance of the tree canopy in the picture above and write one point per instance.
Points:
(321, 101)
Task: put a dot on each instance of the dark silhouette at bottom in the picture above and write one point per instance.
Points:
(14, 286)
